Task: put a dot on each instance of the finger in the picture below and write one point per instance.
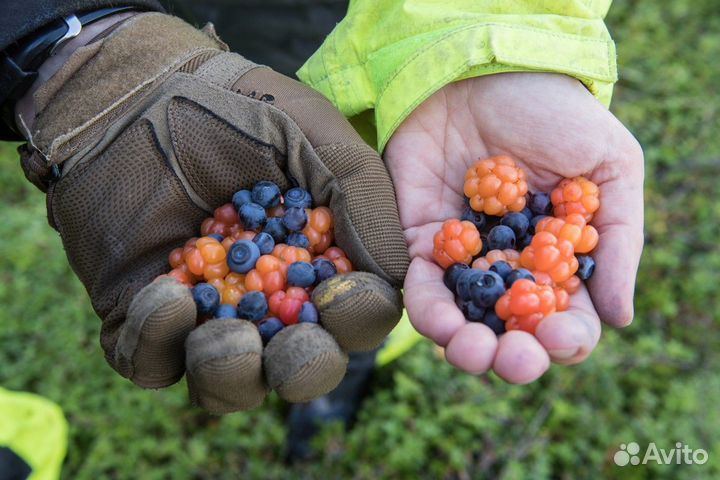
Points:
(619, 222)
(520, 358)
(303, 362)
(150, 349)
(472, 348)
(569, 337)
(420, 239)
(224, 366)
(430, 305)
(358, 189)
(359, 309)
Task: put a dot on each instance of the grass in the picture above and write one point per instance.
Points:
(655, 381)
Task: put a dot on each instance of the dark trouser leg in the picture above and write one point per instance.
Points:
(343, 403)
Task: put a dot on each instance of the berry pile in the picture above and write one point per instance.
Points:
(514, 257)
(259, 258)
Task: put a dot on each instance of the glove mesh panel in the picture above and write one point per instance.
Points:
(103, 209)
(217, 159)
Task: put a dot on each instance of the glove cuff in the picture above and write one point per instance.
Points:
(101, 80)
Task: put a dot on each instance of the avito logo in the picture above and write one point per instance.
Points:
(680, 455)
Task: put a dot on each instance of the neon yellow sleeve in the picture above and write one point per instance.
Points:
(387, 56)
(36, 430)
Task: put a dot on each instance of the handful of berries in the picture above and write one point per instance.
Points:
(259, 258)
(514, 257)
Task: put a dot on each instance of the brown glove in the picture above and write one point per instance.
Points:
(154, 126)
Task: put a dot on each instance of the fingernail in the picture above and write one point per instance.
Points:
(563, 353)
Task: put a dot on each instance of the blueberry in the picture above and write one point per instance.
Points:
(528, 213)
(451, 275)
(523, 241)
(269, 327)
(486, 289)
(252, 216)
(226, 311)
(501, 237)
(301, 274)
(243, 256)
(253, 306)
(472, 312)
(476, 218)
(502, 268)
(206, 298)
(217, 237)
(308, 313)
(516, 275)
(276, 229)
(493, 322)
(295, 219)
(240, 198)
(586, 266)
(534, 222)
(266, 194)
(465, 280)
(324, 269)
(298, 197)
(297, 239)
(265, 243)
(518, 222)
(540, 203)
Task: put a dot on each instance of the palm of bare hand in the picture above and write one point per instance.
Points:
(553, 127)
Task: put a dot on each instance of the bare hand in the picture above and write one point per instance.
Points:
(554, 128)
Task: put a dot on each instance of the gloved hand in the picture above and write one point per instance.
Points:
(554, 128)
(154, 126)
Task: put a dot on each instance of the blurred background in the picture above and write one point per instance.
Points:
(656, 381)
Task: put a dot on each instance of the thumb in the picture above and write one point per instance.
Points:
(358, 308)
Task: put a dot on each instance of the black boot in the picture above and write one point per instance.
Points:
(343, 403)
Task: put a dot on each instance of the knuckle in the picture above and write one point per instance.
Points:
(627, 151)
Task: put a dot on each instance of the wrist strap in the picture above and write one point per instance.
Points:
(19, 62)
